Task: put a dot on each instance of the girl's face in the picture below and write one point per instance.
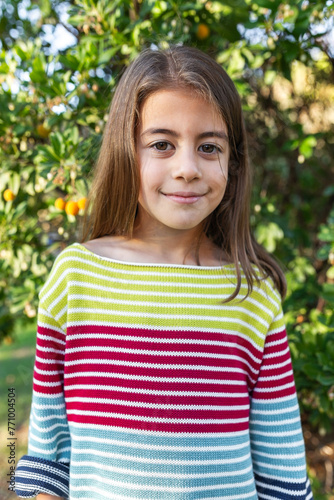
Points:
(183, 153)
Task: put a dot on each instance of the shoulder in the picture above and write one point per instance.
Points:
(265, 294)
(58, 276)
(112, 247)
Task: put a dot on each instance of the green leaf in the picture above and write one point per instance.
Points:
(107, 55)
(307, 145)
(268, 235)
(57, 144)
(326, 233)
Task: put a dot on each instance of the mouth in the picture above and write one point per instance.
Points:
(184, 197)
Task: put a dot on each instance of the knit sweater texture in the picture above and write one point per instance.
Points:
(147, 386)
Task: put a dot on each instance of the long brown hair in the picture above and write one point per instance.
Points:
(114, 194)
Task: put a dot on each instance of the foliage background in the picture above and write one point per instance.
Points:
(59, 63)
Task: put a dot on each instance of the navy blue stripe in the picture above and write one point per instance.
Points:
(28, 487)
(279, 495)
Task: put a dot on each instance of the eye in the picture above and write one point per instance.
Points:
(160, 146)
(210, 148)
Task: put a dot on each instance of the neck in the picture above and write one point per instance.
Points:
(174, 246)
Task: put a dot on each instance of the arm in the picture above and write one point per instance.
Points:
(45, 469)
(44, 496)
(277, 443)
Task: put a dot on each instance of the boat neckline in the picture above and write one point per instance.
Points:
(154, 264)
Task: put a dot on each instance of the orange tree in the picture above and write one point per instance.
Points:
(53, 106)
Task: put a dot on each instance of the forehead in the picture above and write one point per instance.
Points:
(180, 108)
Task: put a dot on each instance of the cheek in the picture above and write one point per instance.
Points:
(151, 177)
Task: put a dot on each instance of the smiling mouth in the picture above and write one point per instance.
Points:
(184, 197)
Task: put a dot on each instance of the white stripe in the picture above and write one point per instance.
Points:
(278, 365)
(177, 341)
(160, 447)
(276, 354)
(159, 365)
(48, 349)
(296, 494)
(48, 372)
(39, 395)
(150, 352)
(49, 361)
(274, 389)
(284, 399)
(169, 340)
(140, 433)
(170, 305)
(47, 325)
(136, 404)
(155, 379)
(176, 284)
(275, 422)
(290, 444)
(153, 487)
(275, 412)
(47, 407)
(140, 418)
(100, 276)
(278, 329)
(150, 460)
(52, 339)
(132, 271)
(276, 377)
(159, 328)
(176, 295)
(57, 448)
(160, 474)
(276, 342)
(45, 429)
(286, 479)
(47, 384)
(279, 456)
(148, 391)
(188, 317)
(114, 496)
(49, 417)
(49, 440)
(276, 434)
(281, 467)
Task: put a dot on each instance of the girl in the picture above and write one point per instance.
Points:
(162, 367)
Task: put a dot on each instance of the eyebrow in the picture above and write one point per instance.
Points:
(203, 135)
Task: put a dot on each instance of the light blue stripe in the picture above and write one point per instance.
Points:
(224, 491)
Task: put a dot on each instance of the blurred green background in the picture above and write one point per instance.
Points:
(59, 63)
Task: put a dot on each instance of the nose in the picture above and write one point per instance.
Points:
(186, 165)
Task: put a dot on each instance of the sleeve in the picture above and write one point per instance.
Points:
(45, 469)
(277, 444)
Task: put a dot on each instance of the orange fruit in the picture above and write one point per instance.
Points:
(203, 31)
(9, 195)
(82, 203)
(71, 208)
(42, 131)
(60, 203)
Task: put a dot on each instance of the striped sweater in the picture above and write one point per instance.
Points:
(147, 386)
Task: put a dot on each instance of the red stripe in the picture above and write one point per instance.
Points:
(158, 426)
(48, 390)
(277, 393)
(158, 399)
(177, 414)
(171, 335)
(49, 332)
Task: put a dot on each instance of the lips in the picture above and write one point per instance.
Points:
(185, 197)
